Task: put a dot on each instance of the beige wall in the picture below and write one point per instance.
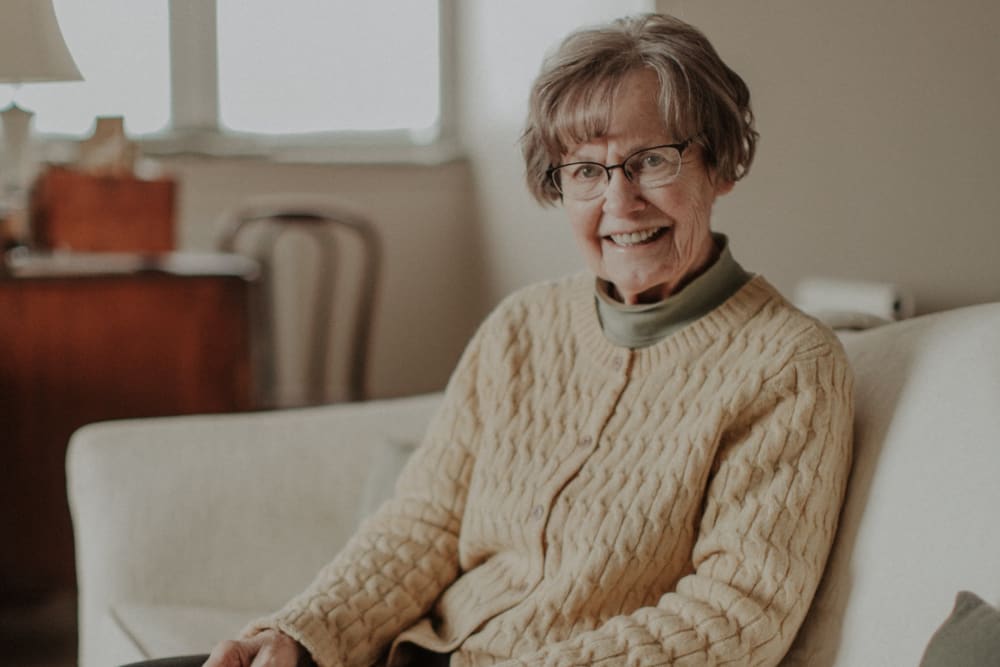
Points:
(879, 124)
(880, 127)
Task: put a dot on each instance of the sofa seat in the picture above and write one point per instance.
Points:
(181, 523)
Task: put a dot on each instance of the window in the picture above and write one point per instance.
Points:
(237, 76)
(343, 65)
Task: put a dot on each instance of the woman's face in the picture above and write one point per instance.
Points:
(647, 243)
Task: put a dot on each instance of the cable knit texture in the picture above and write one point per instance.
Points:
(578, 503)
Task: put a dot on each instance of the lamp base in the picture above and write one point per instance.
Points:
(17, 133)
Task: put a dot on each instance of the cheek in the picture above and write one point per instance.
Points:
(584, 222)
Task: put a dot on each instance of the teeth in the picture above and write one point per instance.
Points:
(634, 238)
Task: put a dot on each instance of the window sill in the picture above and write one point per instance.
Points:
(319, 149)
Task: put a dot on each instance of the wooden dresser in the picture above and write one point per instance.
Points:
(91, 337)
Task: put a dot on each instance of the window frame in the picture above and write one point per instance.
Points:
(194, 107)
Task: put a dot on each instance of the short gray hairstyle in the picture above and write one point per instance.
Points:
(701, 96)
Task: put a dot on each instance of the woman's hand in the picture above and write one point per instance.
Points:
(269, 648)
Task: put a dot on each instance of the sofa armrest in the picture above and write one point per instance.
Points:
(234, 511)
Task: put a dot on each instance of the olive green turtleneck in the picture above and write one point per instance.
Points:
(644, 324)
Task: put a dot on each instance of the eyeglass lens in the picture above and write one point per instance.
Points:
(650, 168)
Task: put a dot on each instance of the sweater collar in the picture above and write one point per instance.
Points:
(641, 325)
(714, 328)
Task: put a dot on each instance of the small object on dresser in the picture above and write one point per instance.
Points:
(108, 152)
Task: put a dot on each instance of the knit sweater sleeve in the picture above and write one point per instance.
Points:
(398, 562)
(769, 519)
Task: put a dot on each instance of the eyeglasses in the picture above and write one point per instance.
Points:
(648, 168)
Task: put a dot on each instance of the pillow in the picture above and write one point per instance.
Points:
(969, 637)
(387, 461)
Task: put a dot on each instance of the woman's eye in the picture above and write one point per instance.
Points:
(652, 160)
(586, 171)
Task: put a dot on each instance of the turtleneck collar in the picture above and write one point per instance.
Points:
(644, 324)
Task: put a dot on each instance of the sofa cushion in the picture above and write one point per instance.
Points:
(160, 631)
(919, 521)
(969, 637)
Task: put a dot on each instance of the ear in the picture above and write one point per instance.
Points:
(723, 187)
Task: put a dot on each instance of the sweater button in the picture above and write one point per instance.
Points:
(586, 441)
(616, 363)
(537, 512)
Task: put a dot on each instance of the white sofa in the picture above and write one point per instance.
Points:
(188, 527)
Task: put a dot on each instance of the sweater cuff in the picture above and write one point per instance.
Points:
(308, 631)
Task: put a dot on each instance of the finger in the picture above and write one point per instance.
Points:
(277, 651)
(267, 657)
(229, 653)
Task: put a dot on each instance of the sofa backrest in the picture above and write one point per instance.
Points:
(919, 522)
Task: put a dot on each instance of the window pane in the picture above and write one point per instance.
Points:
(122, 50)
(325, 65)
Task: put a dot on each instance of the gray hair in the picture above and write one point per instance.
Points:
(701, 96)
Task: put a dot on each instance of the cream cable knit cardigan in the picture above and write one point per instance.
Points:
(578, 503)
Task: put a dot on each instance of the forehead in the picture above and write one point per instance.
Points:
(627, 112)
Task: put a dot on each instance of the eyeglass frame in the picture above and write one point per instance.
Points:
(681, 147)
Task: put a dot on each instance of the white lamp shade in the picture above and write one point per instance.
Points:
(31, 44)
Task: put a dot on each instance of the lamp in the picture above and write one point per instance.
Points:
(32, 49)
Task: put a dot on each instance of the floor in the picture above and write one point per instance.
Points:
(39, 633)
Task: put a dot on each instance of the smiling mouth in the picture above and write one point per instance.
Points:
(637, 238)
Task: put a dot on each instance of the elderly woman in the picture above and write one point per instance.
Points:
(641, 464)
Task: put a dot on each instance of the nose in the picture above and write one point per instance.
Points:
(623, 197)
